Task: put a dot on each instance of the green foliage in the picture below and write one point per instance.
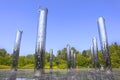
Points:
(115, 55)
(83, 60)
(3, 52)
(62, 64)
(5, 58)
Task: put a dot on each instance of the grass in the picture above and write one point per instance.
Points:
(4, 67)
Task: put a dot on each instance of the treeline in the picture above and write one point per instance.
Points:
(83, 59)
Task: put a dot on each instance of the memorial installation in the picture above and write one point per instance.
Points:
(71, 73)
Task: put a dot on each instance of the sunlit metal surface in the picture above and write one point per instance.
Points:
(16, 50)
(68, 56)
(95, 53)
(104, 42)
(104, 47)
(40, 44)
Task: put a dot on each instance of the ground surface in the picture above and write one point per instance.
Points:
(86, 74)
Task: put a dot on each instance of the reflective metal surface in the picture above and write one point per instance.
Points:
(104, 43)
(74, 60)
(40, 44)
(104, 47)
(68, 56)
(51, 55)
(95, 53)
(16, 50)
(92, 56)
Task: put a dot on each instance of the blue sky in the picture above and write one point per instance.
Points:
(69, 21)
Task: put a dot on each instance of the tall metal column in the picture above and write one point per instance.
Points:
(40, 44)
(95, 53)
(68, 57)
(104, 43)
(16, 50)
(92, 56)
(51, 56)
(74, 60)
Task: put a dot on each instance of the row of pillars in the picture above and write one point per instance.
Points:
(71, 58)
(40, 47)
(105, 52)
(104, 47)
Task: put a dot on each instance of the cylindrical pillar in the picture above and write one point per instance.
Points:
(40, 44)
(16, 50)
(104, 43)
(68, 57)
(92, 56)
(51, 56)
(74, 60)
(95, 53)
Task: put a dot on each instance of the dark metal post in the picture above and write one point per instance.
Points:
(16, 50)
(40, 44)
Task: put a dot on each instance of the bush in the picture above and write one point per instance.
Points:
(47, 67)
(55, 67)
